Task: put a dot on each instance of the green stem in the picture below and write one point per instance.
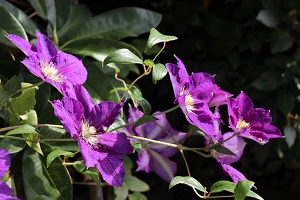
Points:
(16, 138)
(58, 140)
(153, 141)
(167, 111)
(34, 125)
(215, 197)
(159, 51)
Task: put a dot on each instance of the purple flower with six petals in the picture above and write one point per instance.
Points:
(155, 157)
(5, 191)
(45, 61)
(250, 122)
(196, 94)
(88, 123)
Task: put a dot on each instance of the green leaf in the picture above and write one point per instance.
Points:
(135, 184)
(10, 88)
(128, 165)
(29, 118)
(57, 13)
(156, 37)
(187, 180)
(149, 62)
(136, 95)
(53, 182)
(9, 24)
(40, 7)
(100, 82)
(137, 196)
(24, 102)
(121, 192)
(267, 18)
(144, 119)
(116, 24)
(137, 147)
(159, 72)
(14, 146)
(27, 23)
(34, 145)
(26, 128)
(242, 189)
(98, 48)
(80, 167)
(282, 44)
(223, 186)
(56, 153)
(268, 81)
(285, 101)
(51, 132)
(122, 56)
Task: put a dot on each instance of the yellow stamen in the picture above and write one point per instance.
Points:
(189, 103)
(51, 72)
(241, 124)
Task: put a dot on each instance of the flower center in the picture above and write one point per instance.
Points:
(241, 124)
(189, 103)
(51, 72)
(89, 134)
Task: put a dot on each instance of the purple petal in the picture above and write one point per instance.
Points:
(201, 86)
(91, 156)
(235, 175)
(143, 161)
(6, 192)
(134, 115)
(46, 50)
(236, 145)
(244, 104)
(219, 97)
(70, 113)
(104, 114)
(263, 133)
(70, 67)
(79, 93)
(21, 43)
(258, 116)
(4, 162)
(111, 168)
(116, 141)
(32, 64)
(162, 166)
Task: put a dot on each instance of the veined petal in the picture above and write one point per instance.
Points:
(79, 93)
(143, 161)
(201, 86)
(220, 97)
(111, 168)
(21, 43)
(4, 162)
(116, 141)
(104, 114)
(70, 112)
(46, 50)
(70, 67)
(32, 64)
(91, 156)
(244, 104)
(235, 175)
(162, 166)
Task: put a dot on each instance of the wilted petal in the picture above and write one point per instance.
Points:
(235, 175)
(111, 168)
(91, 156)
(116, 141)
(21, 43)
(70, 113)
(162, 166)
(104, 114)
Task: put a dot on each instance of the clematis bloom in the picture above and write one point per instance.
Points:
(250, 122)
(5, 191)
(88, 123)
(196, 94)
(155, 157)
(51, 65)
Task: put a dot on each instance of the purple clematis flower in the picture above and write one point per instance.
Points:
(250, 122)
(155, 157)
(45, 61)
(196, 94)
(5, 191)
(88, 123)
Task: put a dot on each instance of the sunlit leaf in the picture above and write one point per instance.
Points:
(156, 37)
(135, 184)
(187, 180)
(26, 128)
(56, 153)
(242, 189)
(122, 56)
(267, 18)
(159, 72)
(137, 196)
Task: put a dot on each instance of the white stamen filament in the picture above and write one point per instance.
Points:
(89, 134)
(189, 103)
(51, 72)
(241, 124)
